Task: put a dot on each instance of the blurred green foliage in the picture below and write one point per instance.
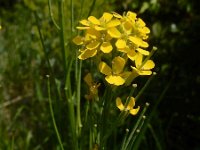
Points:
(174, 30)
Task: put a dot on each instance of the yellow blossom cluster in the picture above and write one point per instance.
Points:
(122, 39)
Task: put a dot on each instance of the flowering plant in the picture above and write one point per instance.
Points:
(115, 50)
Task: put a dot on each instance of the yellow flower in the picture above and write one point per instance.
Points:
(143, 68)
(93, 87)
(131, 37)
(129, 107)
(92, 43)
(114, 75)
(105, 23)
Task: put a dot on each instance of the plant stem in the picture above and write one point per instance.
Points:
(52, 113)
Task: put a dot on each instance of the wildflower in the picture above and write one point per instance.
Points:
(123, 35)
(131, 38)
(105, 23)
(128, 107)
(93, 87)
(114, 75)
(143, 68)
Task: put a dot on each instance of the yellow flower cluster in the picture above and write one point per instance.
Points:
(122, 39)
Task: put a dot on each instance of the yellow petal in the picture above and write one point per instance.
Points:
(104, 68)
(142, 51)
(84, 22)
(128, 26)
(140, 22)
(106, 17)
(141, 72)
(124, 50)
(94, 34)
(131, 103)
(145, 72)
(88, 79)
(106, 47)
(120, 44)
(118, 64)
(137, 41)
(148, 65)
(116, 80)
(131, 15)
(82, 28)
(144, 44)
(93, 45)
(132, 54)
(78, 40)
(138, 60)
(134, 111)
(116, 15)
(145, 30)
(94, 20)
(119, 104)
(98, 28)
(113, 32)
(87, 54)
(113, 23)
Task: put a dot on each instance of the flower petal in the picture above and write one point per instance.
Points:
(94, 20)
(106, 17)
(131, 103)
(119, 104)
(142, 51)
(106, 47)
(93, 45)
(134, 111)
(94, 34)
(131, 15)
(104, 68)
(138, 60)
(88, 79)
(148, 65)
(78, 40)
(145, 72)
(118, 64)
(120, 44)
(116, 15)
(85, 22)
(116, 80)
(144, 44)
(145, 30)
(87, 54)
(113, 23)
(98, 28)
(82, 28)
(132, 54)
(113, 32)
(140, 22)
(136, 40)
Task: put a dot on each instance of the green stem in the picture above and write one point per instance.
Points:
(51, 15)
(52, 114)
(62, 33)
(145, 86)
(135, 127)
(79, 124)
